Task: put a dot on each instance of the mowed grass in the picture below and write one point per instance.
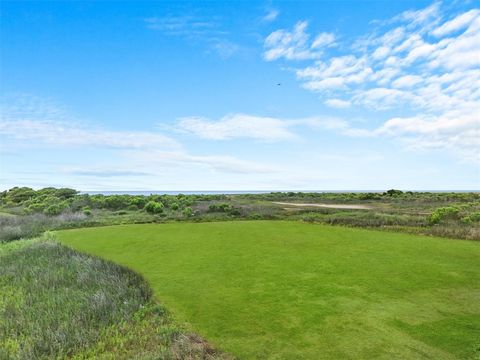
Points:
(287, 290)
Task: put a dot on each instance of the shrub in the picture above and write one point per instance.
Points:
(472, 218)
(153, 207)
(223, 207)
(443, 213)
(116, 202)
(187, 212)
(38, 207)
(52, 210)
(369, 196)
(174, 206)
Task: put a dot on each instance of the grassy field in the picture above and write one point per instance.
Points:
(287, 290)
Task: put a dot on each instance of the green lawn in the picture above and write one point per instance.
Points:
(287, 290)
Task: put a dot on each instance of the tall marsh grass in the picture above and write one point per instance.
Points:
(14, 227)
(57, 303)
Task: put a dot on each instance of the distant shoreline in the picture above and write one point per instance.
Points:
(243, 192)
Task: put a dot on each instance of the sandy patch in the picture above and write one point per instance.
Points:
(329, 206)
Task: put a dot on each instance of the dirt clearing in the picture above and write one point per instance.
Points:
(329, 206)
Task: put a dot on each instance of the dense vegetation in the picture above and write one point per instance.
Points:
(58, 303)
(25, 212)
(287, 290)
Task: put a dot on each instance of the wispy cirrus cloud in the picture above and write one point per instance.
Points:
(29, 118)
(271, 15)
(237, 126)
(105, 172)
(220, 163)
(38, 123)
(60, 133)
(262, 128)
(424, 61)
(207, 30)
(186, 25)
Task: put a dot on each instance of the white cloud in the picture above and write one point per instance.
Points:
(104, 172)
(224, 48)
(140, 155)
(290, 45)
(381, 52)
(296, 44)
(204, 30)
(458, 23)
(336, 74)
(334, 124)
(28, 118)
(427, 15)
(323, 39)
(237, 126)
(333, 83)
(402, 67)
(268, 129)
(455, 131)
(71, 134)
(393, 37)
(271, 15)
(222, 163)
(185, 25)
(407, 81)
(338, 103)
(383, 98)
(32, 119)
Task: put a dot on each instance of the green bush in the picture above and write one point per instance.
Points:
(472, 218)
(38, 207)
(223, 207)
(153, 207)
(174, 206)
(442, 214)
(187, 212)
(52, 210)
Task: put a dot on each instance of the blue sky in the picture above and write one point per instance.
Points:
(325, 95)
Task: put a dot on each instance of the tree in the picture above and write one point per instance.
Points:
(20, 194)
(393, 192)
(65, 193)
